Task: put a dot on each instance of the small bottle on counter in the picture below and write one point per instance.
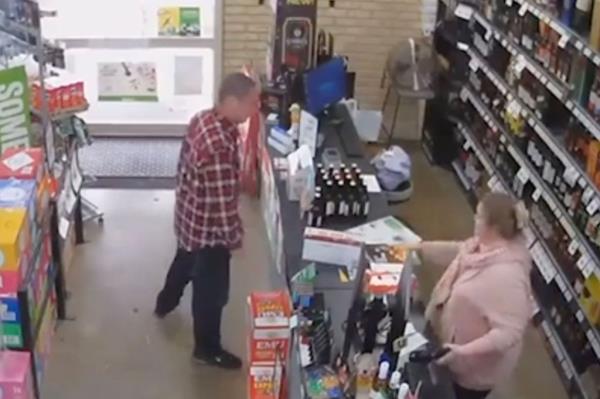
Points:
(341, 195)
(330, 199)
(380, 382)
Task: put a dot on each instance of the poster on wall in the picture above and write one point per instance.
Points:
(179, 21)
(127, 81)
(15, 118)
(188, 76)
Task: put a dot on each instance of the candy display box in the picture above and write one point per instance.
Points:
(269, 319)
(16, 381)
(13, 238)
(20, 194)
(22, 164)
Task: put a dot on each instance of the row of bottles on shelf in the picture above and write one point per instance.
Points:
(556, 238)
(578, 77)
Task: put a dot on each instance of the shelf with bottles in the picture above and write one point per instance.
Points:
(572, 173)
(575, 35)
(545, 261)
(561, 356)
(564, 76)
(526, 172)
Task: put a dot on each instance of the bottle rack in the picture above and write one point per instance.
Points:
(495, 98)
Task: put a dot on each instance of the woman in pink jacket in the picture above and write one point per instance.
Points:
(482, 304)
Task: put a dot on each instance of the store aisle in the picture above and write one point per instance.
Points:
(114, 347)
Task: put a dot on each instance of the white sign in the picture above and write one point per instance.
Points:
(309, 127)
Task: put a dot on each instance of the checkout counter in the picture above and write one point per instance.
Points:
(285, 230)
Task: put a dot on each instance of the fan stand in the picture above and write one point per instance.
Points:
(416, 92)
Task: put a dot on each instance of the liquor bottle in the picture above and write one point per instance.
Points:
(380, 381)
(582, 16)
(594, 99)
(330, 200)
(568, 9)
(342, 209)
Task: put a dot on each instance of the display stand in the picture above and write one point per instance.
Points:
(39, 298)
(527, 149)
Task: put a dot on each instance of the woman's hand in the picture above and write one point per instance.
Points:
(454, 353)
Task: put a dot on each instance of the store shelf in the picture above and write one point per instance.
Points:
(568, 36)
(57, 116)
(471, 143)
(550, 140)
(528, 173)
(558, 88)
(549, 269)
(560, 352)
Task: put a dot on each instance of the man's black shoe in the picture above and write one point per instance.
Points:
(223, 359)
(159, 315)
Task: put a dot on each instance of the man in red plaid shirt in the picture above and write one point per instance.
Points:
(207, 223)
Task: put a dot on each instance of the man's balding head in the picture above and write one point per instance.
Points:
(239, 97)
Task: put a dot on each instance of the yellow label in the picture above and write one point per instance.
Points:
(12, 225)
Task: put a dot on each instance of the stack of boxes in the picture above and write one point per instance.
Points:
(268, 343)
(26, 272)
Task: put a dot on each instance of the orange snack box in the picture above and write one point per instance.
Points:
(269, 321)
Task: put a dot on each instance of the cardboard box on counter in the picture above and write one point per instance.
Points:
(332, 247)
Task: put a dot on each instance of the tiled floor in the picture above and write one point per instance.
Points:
(114, 348)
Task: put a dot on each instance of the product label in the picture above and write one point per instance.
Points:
(15, 119)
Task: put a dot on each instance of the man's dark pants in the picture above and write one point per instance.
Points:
(208, 270)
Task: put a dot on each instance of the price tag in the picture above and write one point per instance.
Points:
(467, 144)
(488, 36)
(464, 94)
(582, 262)
(503, 139)
(579, 45)
(509, 3)
(462, 46)
(523, 175)
(580, 316)
(492, 182)
(564, 39)
(573, 247)
(523, 9)
(568, 295)
(592, 206)
(571, 175)
(474, 64)
(582, 183)
(587, 195)
(63, 227)
(537, 194)
(597, 60)
(569, 105)
(554, 89)
(544, 80)
(561, 284)
(587, 52)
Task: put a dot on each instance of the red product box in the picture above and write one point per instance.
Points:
(269, 320)
(22, 164)
(11, 280)
(266, 382)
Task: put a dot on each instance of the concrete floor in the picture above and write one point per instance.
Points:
(114, 348)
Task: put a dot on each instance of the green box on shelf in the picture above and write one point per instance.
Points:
(12, 335)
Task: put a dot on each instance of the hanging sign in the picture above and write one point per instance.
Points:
(15, 117)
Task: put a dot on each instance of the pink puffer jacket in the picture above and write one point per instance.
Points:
(483, 303)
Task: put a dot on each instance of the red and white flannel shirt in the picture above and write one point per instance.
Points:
(207, 193)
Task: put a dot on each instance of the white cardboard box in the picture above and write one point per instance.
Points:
(330, 246)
